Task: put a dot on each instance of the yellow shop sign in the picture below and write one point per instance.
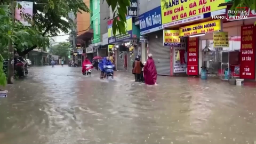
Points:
(174, 10)
(205, 27)
(171, 37)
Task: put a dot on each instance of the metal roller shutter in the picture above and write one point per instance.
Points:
(161, 54)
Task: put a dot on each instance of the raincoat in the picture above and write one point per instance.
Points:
(150, 73)
(86, 62)
(103, 62)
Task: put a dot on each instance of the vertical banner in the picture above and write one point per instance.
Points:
(192, 56)
(247, 52)
(133, 8)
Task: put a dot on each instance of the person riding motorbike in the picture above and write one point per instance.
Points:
(87, 65)
(104, 62)
(52, 63)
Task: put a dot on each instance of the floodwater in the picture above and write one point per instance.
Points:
(60, 106)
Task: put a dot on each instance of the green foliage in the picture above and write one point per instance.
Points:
(119, 8)
(61, 49)
(2, 74)
(243, 3)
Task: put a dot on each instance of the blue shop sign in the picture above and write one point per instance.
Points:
(151, 21)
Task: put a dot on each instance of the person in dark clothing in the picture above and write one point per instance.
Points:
(137, 69)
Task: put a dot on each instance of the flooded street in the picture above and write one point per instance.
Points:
(61, 106)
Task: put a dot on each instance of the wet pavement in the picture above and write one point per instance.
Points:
(60, 106)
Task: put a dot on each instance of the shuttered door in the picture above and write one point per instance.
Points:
(161, 54)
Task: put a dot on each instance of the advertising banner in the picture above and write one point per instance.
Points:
(205, 27)
(192, 56)
(26, 9)
(119, 37)
(110, 48)
(175, 10)
(220, 39)
(179, 56)
(247, 55)
(150, 21)
(171, 38)
(133, 8)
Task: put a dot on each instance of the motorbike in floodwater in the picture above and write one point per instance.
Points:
(109, 71)
(87, 69)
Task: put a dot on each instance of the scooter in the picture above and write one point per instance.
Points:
(88, 69)
(109, 71)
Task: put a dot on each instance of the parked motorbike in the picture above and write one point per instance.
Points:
(20, 67)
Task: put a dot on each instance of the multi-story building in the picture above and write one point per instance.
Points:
(99, 17)
(84, 32)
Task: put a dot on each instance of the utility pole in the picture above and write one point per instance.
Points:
(10, 49)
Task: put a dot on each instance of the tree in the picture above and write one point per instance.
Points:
(14, 32)
(61, 49)
(50, 17)
(243, 3)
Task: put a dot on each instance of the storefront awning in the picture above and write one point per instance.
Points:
(85, 36)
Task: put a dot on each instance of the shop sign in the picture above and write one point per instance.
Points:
(89, 50)
(120, 37)
(80, 51)
(175, 10)
(240, 12)
(205, 27)
(192, 56)
(247, 56)
(171, 38)
(150, 21)
(110, 48)
(25, 9)
(220, 39)
(133, 8)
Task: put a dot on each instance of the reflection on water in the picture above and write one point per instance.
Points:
(59, 105)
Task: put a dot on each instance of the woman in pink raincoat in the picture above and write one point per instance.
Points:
(150, 73)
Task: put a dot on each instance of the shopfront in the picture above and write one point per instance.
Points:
(185, 57)
(238, 56)
(151, 30)
(124, 57)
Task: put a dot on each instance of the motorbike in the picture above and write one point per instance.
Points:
(88, 69)
(20, 67)
(109, 71)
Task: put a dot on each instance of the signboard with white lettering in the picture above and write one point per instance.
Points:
(133, 8)
(151, 21)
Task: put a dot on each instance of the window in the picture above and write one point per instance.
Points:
(95, 4)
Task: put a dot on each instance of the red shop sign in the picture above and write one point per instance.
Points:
(192, 56)
(247, 52)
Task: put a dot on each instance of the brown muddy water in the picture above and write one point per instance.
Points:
(60, 106)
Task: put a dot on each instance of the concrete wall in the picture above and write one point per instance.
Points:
(104, 17)
(83, 20)
(147, 5)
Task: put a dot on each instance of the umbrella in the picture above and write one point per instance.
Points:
(97, 57)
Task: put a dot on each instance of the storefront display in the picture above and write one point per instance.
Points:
(180, 65)
(192, 56)
(247, 57)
